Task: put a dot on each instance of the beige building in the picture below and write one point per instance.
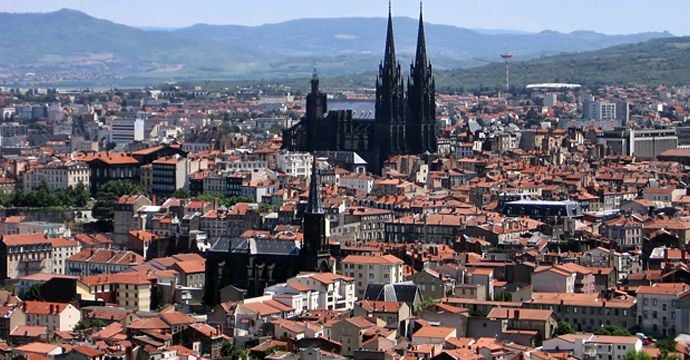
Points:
(11, 316)
(386, 269)
(131, 290)
(62, 249)
(58, 176)
(349, 332)
(25, 254)
(54, 316)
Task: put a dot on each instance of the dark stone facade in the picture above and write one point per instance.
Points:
(400, 122)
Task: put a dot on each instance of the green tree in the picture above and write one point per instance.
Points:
(229, 350)
(33, 293)
(666, 346)
(106, 198)
(563, 328)
(182, 194)
(632, 355)
(613, 330)
(90, 324)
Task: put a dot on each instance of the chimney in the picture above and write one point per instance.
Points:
(516, 314)
(665, 253)
(51, 309)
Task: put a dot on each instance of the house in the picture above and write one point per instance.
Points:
(24, 334)
(351, 332)
(10, 318)
(542, 321)
(203, 338)
(252, 314)
(393, 313)
(82, 352)
(38, 349)
(593, 346)
(433, 284)
(446, 315)
(55, 316)
(433, 335)
(553, 279)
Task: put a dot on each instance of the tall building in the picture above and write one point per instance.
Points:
(253, 264)
(315, 228)
(598, 110)
(398, 122)
(126, 131)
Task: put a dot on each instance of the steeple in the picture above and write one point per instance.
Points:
(389, 61)
(315, 81)
(420, 58)
(314, 205)
(421, 95)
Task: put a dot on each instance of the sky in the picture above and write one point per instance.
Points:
(606, 16)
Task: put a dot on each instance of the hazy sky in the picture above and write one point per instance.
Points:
(607, 16)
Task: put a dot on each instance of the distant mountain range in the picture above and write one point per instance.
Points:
(70, 46)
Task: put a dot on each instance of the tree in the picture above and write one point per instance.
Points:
(89, 324)
(182, 194)
(666, 346)
(33, 293)
(563, 328)
(229, 350)
(106, 198)
(632, 355)
(613, 330)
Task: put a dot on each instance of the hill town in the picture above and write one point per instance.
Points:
(391, 222)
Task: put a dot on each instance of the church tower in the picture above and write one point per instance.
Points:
(315, 250)
(421, 97)
(316, 108)
(390, 101)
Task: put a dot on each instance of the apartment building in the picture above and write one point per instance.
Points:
(296, 164)
(660, 311)
(365, 270)
(58, 176)
(63, 249)
(101, 261)
(587, 311)
(25, 254)
(335, 292)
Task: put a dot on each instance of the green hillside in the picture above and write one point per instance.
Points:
(655, 62)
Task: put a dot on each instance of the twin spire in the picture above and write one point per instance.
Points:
(389, 56)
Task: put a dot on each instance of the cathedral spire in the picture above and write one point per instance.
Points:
(314, 205)
(389, 57)
(420, 59)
